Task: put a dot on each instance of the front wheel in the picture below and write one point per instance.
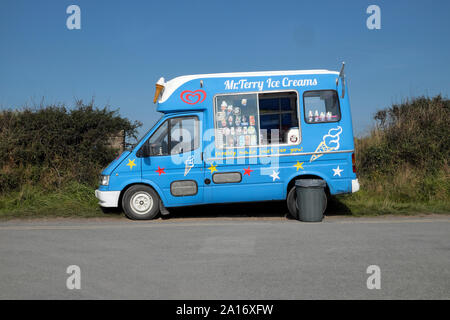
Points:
(140, 203)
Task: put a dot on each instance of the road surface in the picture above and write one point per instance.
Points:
(226, 258)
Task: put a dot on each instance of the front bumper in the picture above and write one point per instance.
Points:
(355, 185)
(108, 199)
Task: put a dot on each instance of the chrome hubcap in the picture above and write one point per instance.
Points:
(141, 202)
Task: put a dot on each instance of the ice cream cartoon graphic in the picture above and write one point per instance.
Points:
(189, 164)
(330, 142)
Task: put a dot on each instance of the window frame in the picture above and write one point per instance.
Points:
(169, 140)
(258, 115)
(321, 122)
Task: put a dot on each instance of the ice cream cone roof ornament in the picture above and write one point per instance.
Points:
(159, 88)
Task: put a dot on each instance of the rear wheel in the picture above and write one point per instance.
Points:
(140, 202)
(291, 202)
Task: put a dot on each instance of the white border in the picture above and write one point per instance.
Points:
(172, 85)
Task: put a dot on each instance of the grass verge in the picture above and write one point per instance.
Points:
(73, 200)
(78, 201)
(364, 203)
(405, 192)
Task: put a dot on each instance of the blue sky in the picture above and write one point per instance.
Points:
(123, 47)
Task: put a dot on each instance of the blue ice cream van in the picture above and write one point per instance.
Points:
(236, 137)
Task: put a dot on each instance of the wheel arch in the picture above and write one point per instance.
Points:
(306, 176)
(144, 183)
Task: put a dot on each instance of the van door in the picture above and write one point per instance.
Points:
(174, 161)
(244, 182)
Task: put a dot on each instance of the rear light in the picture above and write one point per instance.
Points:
(354, 163)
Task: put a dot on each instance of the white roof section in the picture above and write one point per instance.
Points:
(171, 85)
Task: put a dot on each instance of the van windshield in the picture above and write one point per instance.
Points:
(133, 145)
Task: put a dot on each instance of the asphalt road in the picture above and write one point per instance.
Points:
(226, 258)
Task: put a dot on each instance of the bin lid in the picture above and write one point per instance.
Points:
(310, 183)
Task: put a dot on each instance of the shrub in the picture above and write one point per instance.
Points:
(415, 133)
(51, 145)
(405, 156)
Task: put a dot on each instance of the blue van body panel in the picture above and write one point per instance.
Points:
(155, 186)
(110, 168)
(323, 150)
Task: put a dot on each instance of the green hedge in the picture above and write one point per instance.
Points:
(405, 157)
(415, 133)
(50, 146)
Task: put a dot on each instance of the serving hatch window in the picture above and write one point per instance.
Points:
(236, 120)
(321, 106)
(243, 120)
(278, 118)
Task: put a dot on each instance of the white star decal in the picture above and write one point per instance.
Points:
(274, 175)
(337, 171)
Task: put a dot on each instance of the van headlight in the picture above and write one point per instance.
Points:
(104, 180)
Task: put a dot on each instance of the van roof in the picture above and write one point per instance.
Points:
(173, 84)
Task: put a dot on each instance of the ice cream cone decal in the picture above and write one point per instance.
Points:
(330, 142)
(189, 164)
(322, 147)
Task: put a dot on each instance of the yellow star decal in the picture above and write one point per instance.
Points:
(299, 165)
(131, 163)
(212, 168)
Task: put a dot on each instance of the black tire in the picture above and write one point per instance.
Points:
(291, 202)
(140, 202)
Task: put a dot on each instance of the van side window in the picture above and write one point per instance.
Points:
(278, 117)
(236, 120)
(321, 106)
(184, 134)
(159, 141)
(246, 120)
(174, 136)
